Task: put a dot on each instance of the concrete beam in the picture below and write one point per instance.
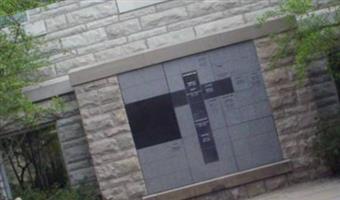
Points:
(113, 67)
(48, 89)
(226, 182)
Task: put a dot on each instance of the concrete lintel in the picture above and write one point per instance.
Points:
(113, 67)
(225, 182)
(48, 89)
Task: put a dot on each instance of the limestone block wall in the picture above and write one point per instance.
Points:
(110, 140)
(74, 146)
(298, 108)
(82, 32)
(97, 143)
(73, 142)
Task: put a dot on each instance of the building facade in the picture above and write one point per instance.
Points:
(174, 99)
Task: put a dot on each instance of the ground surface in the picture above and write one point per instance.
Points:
(317, 190)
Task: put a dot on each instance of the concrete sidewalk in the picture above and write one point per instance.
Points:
(326, 189)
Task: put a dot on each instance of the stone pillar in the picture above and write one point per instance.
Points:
(73, 143)
(75, 150)
(297, 108)
(110, 140)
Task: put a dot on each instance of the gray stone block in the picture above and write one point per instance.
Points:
(171, 38)
(163, 18)
(195, 21)
(219, 25)
(66, 65)
(92, 13)
(56, 23)
(79, 165)
(90, 3)
(139, 13)
(66, 32)
(100, 46)
(82, 176)
(147, 34)
(202, 8)
(37, 28)
(102, 22)
(70, 132)
(122, 29)
(83, 39)
(121, 51)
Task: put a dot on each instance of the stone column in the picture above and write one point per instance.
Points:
(110, 140)
(75, 150)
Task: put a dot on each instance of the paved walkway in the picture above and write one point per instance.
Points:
(318, 190)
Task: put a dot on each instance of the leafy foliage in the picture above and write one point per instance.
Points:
(32, 156)
(34, 159)
(316, 33)
(80, 193)
(20, 57)
(327, 144)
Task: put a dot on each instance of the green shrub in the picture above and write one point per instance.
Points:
(327, 144)
(80, 193)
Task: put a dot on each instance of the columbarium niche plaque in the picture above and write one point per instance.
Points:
(200, 117)
(194, 96)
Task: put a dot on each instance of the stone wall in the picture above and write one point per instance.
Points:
(81, 32)
(110, 140)
(298, 107)
(74, 145)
